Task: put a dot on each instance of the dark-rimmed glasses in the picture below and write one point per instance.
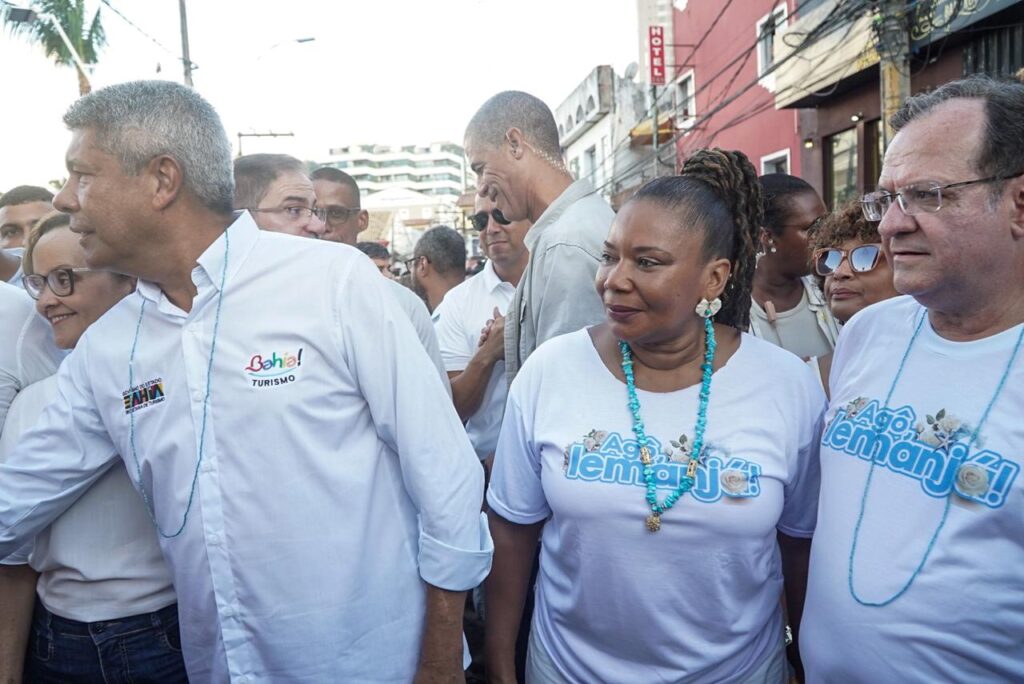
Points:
(336, 214)
(919, 198)
(60, 280)
(862, 258)
(481, 218)
(294, 213)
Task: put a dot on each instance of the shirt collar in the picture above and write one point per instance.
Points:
(243, 237)
(575, 192)
(490, 277)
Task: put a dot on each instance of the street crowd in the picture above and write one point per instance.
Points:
(720, 435)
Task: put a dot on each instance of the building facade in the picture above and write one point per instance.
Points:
(836, 79)
(594, 125)
(437, 170)
(721, 86)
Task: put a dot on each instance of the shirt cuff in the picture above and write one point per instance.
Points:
(19, 557)
(453, 569)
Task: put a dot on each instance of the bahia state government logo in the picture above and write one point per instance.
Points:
(274, 370)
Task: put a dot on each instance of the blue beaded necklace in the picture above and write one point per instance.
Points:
(949, 497)
(653, 520)
(206, 401)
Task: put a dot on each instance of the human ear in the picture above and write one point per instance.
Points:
(166, 178)
(716, 277)
(514, 138)
(1015, 191)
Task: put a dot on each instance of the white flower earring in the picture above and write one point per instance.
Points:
(706, 309)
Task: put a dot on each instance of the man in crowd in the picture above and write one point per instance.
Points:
(475, 362)
(438, 264)
(20, 208)
(282, 193)
(337, 194)
(315, 493)
(381, 258)
(916, 564)
(276, 190)
(512, 146)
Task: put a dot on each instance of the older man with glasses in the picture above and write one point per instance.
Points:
(915, 570)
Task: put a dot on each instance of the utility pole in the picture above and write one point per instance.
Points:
(654, 127)
(894, 61)
(185, 58)
(269, 134)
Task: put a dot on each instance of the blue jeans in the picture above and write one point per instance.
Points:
(139, 648)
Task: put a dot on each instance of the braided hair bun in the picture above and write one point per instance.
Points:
(733, 179)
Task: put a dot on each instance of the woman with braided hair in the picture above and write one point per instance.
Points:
(668, 458)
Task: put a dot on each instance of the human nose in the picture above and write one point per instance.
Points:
(843, 270)
(47, 300)
(895, 221)
(316, 226)
(66, 199)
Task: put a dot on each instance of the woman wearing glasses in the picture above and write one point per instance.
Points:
(787, 308)
(848, 257)
(105, 608)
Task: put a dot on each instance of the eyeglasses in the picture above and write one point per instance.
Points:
(337, 214)
(919, 198)
(481, 218)
(60, 280)
(862, 259)
(409, 263)
(293, 213)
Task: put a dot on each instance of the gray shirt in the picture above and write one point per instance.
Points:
(556, 294)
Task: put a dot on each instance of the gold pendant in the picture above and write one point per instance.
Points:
(653, 522)
(645, 456)
(691, 467)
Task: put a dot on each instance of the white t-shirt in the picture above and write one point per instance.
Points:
(16, 278)
(27, 351)
(459, 318)
(962, 619)
(699, 600)
(100, 560)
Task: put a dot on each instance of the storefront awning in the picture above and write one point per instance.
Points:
(643, 134)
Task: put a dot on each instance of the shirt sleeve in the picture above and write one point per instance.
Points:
(800, 507)
(567, 298)
(418, 315)
(516, 492)
(56, 461)
(452, 336)
(415, 417)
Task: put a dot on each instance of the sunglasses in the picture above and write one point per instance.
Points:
(862, 259)
(482, 218)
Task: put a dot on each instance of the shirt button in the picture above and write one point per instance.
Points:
(207, 465)
(242, 680)
(213, 539)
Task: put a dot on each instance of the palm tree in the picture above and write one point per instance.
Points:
(86, 36)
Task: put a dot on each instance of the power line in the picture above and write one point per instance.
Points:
(832, 21)
(139, 29)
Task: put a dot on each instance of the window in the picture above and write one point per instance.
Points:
(590, 164)
(574, 167)
(767, 27)
(684, 100)
(776, 162)
(579, 114)
(591, 106)
(841, 167)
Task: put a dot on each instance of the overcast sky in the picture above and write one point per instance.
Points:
(398, 71)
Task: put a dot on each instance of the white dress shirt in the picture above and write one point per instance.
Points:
(17, 252)
(459, 318)
(27, 351)
(423, 324)
(100, 560)
(336, 480)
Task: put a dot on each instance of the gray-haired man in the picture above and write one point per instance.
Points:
(915, 571)
(316, 496)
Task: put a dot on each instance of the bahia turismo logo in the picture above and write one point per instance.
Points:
(274, 370)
